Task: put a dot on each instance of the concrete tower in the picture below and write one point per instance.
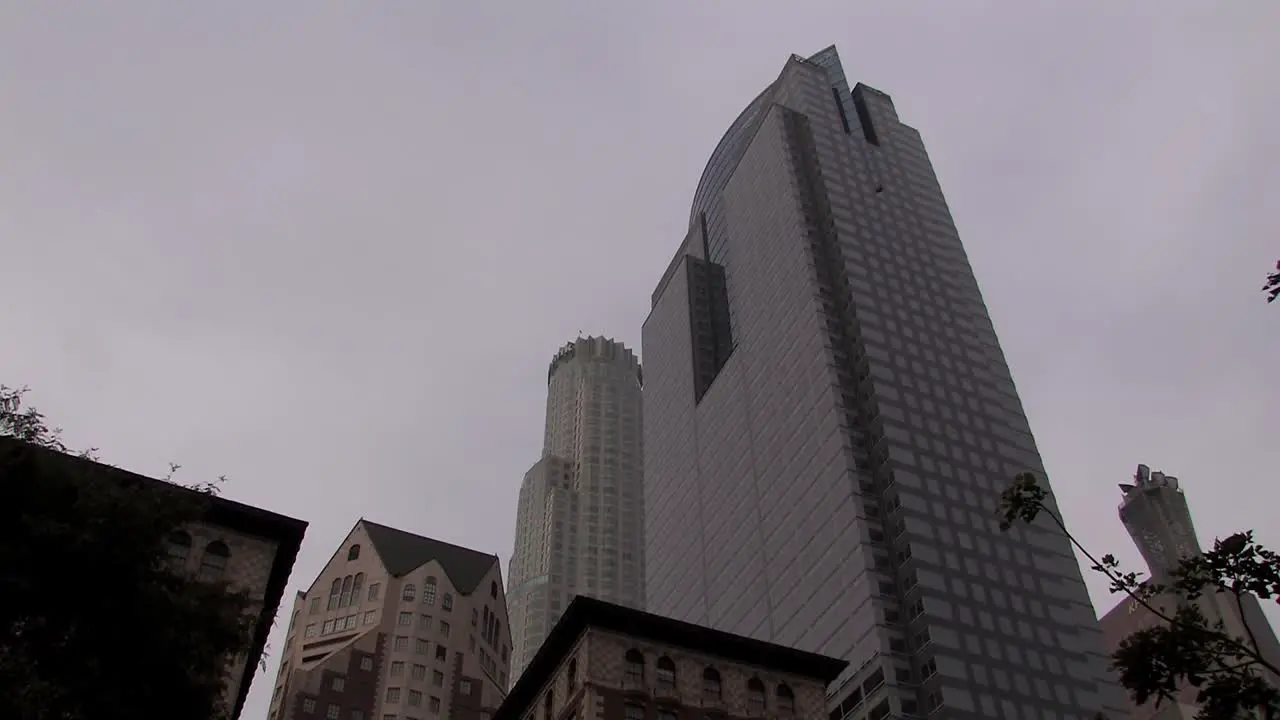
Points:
(829, 421)
(1155, 513)
(580, 518)
(1154, 510)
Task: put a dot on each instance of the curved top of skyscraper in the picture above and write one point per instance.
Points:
(598, 348)
(734, 142)
(720, 165)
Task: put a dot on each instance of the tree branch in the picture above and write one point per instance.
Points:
(1251, 653)
(1253, 639)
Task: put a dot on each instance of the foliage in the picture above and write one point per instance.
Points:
(1186, 646)
(96, 623)
(1272, 288)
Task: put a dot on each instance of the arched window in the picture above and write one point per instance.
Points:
(755, 696)
(357, 586)
(446, 602)
(429, 591)
(711, 687)
(410, 593)
(345, 600)
(179, 547)
(666, 673)
(353, 553)
(493, 590)
(335, 591)
(214, 561)
(786, 699)
(634, 667)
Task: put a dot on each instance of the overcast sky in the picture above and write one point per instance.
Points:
(328, 249)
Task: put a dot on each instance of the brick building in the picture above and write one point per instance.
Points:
(607, 662)
(250, 548)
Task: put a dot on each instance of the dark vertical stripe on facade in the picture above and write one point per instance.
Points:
(864, 117)
(844, 116)
(893, 574)
(708, 323)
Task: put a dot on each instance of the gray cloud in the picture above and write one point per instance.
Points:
(328, 249)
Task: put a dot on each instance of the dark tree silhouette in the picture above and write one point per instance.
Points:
(1228, 672)
(1272, 288)
(96, 622)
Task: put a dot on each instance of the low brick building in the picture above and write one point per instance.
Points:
(607, 662)
(252, 549)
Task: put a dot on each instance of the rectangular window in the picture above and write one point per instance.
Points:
(311, 631)
(444, 628)
(373, 590)
(415, 698)
(442, 652)
(370, 617)
(397, 668)
(437, 678)
(425, 622)
(333, 711)
(404, 619)
(433, 704)
(308, 705)
(328, 627)
(366, 663)
(393, 694)
(351, 622)
(339, 684)
(401, 643)
(419, 672)
(464, 687)
(420, 647)
(315, 606)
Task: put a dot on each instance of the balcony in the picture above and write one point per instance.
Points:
(665, 691)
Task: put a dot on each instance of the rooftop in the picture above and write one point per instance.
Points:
(585, 613)
(403, 552)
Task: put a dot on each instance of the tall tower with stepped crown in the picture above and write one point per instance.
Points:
(580, 517)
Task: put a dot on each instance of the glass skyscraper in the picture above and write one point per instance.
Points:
(829, 421)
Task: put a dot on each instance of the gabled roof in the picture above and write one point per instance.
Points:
(403, 552)
(585, 613)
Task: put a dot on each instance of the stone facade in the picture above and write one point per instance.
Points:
(637, 666)
(391, 647)
(248, 567)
